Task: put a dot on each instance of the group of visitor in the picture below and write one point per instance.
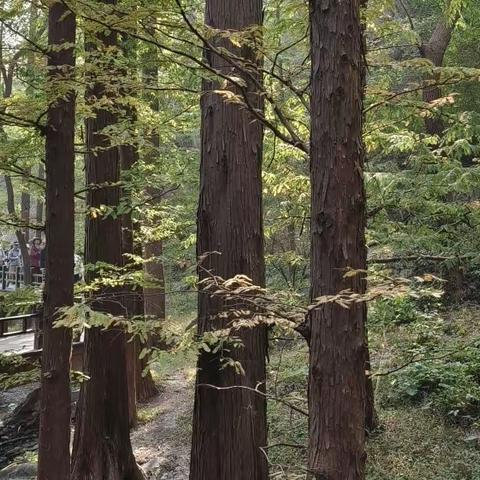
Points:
(12, 257)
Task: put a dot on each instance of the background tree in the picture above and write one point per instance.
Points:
(102, 447)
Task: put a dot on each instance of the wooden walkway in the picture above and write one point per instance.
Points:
(17, 333)
(17, 344)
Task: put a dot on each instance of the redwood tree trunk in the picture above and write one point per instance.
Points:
(102, 448)
(229, 426)
(337, 386)
(54, 439)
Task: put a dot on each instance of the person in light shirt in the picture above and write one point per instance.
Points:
(78, 269)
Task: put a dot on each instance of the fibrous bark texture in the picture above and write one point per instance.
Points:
(229, 426)
(337, 382)
(102, 448)
(54, 439)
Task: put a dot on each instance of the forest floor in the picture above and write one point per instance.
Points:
(161, 441)
(420, 437)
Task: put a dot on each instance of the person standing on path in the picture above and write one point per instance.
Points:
(14, 258)
(35, 254)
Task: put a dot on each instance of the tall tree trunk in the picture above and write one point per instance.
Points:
(229, 426)
(434, 50)
(337, 386)
(102, 448)
(55, 414)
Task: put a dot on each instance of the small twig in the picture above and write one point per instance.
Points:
(290, 445)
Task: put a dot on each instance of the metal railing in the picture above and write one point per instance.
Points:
(13, 278)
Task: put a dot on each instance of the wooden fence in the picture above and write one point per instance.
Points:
(19, 324)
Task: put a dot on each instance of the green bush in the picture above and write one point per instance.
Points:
(23, 300)
(397, 311)
(449, 386)
(15, 371)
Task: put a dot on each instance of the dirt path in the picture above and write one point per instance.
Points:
(162, 445)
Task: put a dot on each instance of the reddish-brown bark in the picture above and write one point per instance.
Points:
(54, 438)
(337, 386)
(229, 426)
(102, 448)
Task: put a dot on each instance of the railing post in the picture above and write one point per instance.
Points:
(38, 329)
(4, 277)
(2, 329)
(17, 278)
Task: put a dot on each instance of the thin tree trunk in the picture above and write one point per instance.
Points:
(102, 448)
(155, 295)
(142, 385)
(434, 50)
(128, 157)
(39, 204)
(25, 202)
(22, 242)
(55, 411)
(337, 386)
(155, 305)
(19, 233)
(229, 426)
